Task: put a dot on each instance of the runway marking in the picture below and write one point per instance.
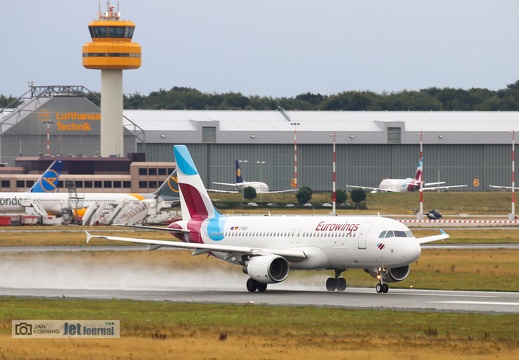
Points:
(477, 303)
(442, 294)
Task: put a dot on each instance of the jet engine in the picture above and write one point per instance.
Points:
(389, 275)
(267, 269)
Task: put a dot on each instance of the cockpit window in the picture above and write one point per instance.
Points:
(396, 233)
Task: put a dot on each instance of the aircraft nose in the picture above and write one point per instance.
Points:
(412, 251)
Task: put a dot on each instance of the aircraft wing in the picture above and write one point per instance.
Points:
(442, 187)
(366, 188)
(500, 187)
(434, 183)
(280, 191)
(427, 239)
(224, 191)
(290, 255)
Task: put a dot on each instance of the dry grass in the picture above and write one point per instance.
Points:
(208, 346)
(152, 330)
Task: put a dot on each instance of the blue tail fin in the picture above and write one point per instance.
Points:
(239, 178)
(48, 182)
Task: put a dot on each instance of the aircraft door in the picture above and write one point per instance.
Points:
(295, 236)
(363, 235)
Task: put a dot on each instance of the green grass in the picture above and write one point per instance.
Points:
(449, 203)
(140, 318)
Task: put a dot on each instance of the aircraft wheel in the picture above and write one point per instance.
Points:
(252, 285)
(331, 284)
(262, 287)
(385, 288)
(341, 284)
(379, 288)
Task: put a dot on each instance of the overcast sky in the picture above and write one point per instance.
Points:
(271, 47)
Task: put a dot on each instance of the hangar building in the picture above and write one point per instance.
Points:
(473, 148)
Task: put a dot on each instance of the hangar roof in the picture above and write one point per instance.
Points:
(238, 126)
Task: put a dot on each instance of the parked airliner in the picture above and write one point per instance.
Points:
(408, 185)
(241, 184)
(58, 203)
(268, 247)
(48, 182)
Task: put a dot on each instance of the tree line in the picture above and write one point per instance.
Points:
(430, 99)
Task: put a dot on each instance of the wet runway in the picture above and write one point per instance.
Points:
(397, 299)
(79, 276)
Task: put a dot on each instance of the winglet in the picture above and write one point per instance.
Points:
(88, 236)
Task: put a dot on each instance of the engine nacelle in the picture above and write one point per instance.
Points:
(391, 274)
(267, 269)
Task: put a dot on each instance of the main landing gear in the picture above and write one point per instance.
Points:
(253, 285)
(336, 283)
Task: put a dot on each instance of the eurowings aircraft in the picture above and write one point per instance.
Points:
(268, 247)
(56, 203)
(408, 184)
(241, 184)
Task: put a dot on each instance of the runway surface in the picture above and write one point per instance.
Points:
(78, 276)
(396, 299)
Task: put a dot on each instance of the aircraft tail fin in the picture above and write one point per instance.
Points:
(194, 199)
(48, 182)
(419, 170)
(239, 177)
(168, 191)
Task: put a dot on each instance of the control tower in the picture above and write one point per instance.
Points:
(111, 51)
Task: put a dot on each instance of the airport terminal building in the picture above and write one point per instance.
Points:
(473, 148)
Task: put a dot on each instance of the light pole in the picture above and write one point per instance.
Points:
(512, 215)
(242, 162)
(438, 171)
(48, 135)
(334, 178)
(261, 162)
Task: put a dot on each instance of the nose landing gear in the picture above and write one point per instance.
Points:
(381, 286)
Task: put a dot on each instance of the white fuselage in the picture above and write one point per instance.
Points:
(54, 203)
(398, 185)
(328, 242)
(261, 188)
